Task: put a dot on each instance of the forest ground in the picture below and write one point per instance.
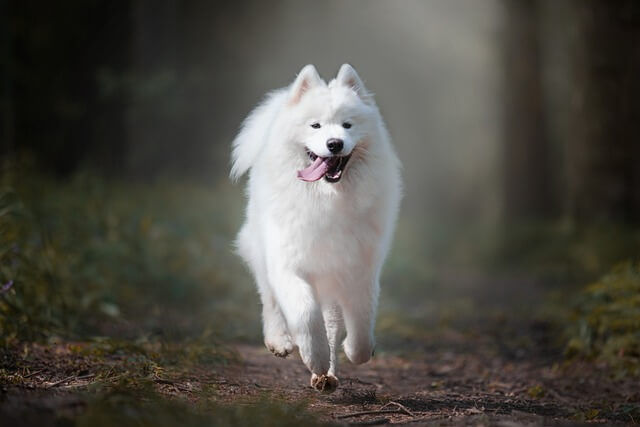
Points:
(452, 387)
(471, 378)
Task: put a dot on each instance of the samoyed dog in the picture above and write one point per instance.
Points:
(323, 194)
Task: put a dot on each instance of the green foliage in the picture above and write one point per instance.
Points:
(124, 260)
(606, 320)
(561, 252)
(159, 354)
(37, 303)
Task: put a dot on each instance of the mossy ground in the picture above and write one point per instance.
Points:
(605, 321)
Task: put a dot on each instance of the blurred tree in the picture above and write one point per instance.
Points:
(595, 171)
(153, 125)
(128, 87)
(57, 107)
(603, 152)
(186, 62)
(6, 92)
(528, 176)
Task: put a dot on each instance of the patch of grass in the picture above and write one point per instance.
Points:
(144, 383)
(123, 405)
(184, 353)
(605, 323)
(37, 303)
(560, 252)
(109, 362)
(88, 257)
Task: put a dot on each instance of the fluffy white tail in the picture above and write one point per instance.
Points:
(253, 134)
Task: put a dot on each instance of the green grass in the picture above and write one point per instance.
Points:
(563, 252)
(88, 258)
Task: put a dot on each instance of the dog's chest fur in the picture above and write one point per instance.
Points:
(319, 231)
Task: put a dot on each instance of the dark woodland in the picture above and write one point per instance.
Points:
(512, 292)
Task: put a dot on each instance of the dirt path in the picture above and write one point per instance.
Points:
(446, 388)
(470, 384)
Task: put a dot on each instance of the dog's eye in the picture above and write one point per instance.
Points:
(346, 125)
(316, 125)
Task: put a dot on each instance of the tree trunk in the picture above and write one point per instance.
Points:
(528, 176)
(7, 132)
(603, 152)
(152, 127)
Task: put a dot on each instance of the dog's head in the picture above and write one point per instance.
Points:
(331, 124)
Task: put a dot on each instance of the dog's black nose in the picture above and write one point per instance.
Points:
(335, 145)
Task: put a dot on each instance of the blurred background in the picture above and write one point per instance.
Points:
(517, 123)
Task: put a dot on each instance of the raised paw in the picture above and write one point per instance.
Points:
(326, 383)
(280, 346)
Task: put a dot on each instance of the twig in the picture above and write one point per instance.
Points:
(62, 381)
(84, 377)
(72, 377)
(401, 406)
(33, 373)
(378, 411)
(114, 378)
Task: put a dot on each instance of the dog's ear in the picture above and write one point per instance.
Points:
(348, 77)
(308, 78)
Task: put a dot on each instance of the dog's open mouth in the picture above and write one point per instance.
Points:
(330, 168)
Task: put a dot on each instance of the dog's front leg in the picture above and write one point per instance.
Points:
(359, 311)
(276, 335)
(335, 334)
(304, 318)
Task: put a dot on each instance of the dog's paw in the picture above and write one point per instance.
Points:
(280, 345)
(359, 352)
(324, 383)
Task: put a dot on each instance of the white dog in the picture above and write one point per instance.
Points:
(323, 195)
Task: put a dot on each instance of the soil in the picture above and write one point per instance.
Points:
(461, 385)
(444, 388)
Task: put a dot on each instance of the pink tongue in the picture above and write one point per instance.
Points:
(315, 171)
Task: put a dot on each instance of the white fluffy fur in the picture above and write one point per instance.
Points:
(316, 249)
